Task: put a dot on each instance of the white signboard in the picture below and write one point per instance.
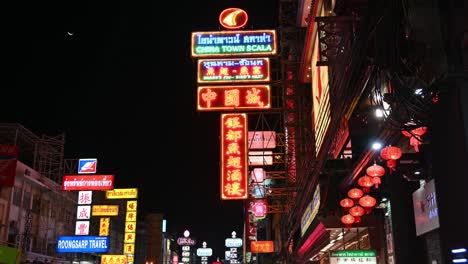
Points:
(426, 213)
(233, 242)
(260, 158)
(262, 139)
(85, 197)
(204, 252)
(82, 228)
(83, 212)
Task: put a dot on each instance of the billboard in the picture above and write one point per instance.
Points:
(82, 244)
(234, 178)
(122, 193)
(233, 97)
(234, 43)
(87, 183)
(233, 70)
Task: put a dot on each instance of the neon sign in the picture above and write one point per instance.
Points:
(234, 70)
(233, 43)
(233, 97)
(233, 18)
(234, 180)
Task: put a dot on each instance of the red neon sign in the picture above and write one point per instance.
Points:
(234, 180)
(87, 183)
(233, 70)
(265, 246)
(233, 18)
(233, 97)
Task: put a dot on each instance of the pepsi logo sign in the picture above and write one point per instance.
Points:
(233, 18)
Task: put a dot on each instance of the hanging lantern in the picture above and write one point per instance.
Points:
(376, 181)
(346, 203)
(391, 154)
(348, 220)
(367, 202)
(415, 136)
(375, 170)
(365, 182)
(356, 211)
(355, 193)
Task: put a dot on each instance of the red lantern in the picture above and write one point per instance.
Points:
(375, 171)
(415, 136)
(376, 181)
(356, 211)
(391, 154)
(365, 182)
(348, 220)
(355, 193)
(367, 202)
(346, 203)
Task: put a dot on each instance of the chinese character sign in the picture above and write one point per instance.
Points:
(104, 224)
(233, 97)
(234, 70)
(234, 180)
(85, 197)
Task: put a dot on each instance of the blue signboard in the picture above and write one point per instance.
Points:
(66, 244)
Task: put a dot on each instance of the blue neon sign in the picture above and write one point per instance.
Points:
(67, 244)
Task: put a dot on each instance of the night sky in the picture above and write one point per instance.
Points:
(117, 78)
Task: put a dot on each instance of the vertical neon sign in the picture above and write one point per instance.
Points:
(234, 185)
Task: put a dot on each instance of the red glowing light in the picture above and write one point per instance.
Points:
(234, 180)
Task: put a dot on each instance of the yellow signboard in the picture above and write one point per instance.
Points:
(129, 238)
(129, 248)
(131, 206)
(104, 226)
(105, 210)
(113, 259)
(131, 216)
(127, 193)
(130, 227)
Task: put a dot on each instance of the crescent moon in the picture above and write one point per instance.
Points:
(70, 33)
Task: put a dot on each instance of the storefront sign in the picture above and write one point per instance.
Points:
(353, 257)
(105, 210)
(262, 139)
(234, 70)
(234, 43)
(82, 244)
(262, 246)
(233, 97)
(122, 193)
(113, 259)
(234, 177)
(87, 183)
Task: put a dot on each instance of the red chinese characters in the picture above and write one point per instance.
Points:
(234, 156)
(233, 97)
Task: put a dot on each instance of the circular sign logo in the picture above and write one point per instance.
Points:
(233, 18)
